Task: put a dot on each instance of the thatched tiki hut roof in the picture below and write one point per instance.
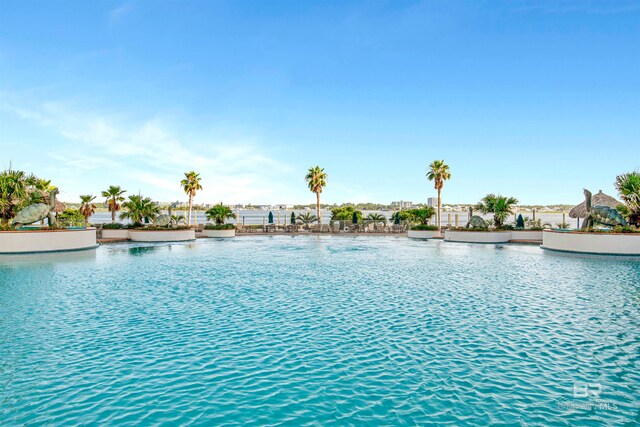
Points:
(60, 207)
(600, 198)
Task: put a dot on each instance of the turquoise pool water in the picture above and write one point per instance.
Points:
(319, 331)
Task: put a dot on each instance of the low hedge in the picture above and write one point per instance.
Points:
(424, 227)
(219, 227)
(157, 228)
(113, 226)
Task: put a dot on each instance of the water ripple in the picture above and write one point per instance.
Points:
(315, 330)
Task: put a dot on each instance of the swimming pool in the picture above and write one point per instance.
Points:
(319, 330)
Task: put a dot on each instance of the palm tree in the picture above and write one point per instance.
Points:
(14, 192)
(307, 218)
(628, 186)
(190, 185)
(219, 214)
(87, 208)
(316, 180)
(422, 215)
(179, 219)
(376, 218)
(139, 209)
(438, 173)
(113, 196)
(501, 207)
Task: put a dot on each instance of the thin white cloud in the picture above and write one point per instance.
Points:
(118, 13)
(151, 156)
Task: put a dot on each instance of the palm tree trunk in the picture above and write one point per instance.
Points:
(113, 210)
(190, 200)
(318, 210)
(439, 212)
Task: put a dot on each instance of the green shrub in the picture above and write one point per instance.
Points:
(505, 227)
(345, 213)
(219, 227)
(71, 217)
(157, 228)
(113, 226)
(629, 229)
(424, 227)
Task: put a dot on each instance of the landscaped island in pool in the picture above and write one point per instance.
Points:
(319, 330)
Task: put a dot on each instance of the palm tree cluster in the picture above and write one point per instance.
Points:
(628, 186)
(500, 206)
(140, 209)
(19, 189)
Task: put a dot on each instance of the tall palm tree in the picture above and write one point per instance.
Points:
(139, 209)
(87, 208)
(113, 196)
(316, 180)
(191, 185)
(501, 207)
(438, 173)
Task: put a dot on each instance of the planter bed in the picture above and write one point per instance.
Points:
(526, 235)
(422, 234)
(592, 243)
(38, 241)
(112, 233)
(161, 235)
(477, 236)
(219, 233)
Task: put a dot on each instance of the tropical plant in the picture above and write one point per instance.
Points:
(219, 214)
(422, 215)
(501, 207)
(424, 227)
(219, 226)
(191, 185)
(376, 218)
(71, 217)
(404, 215)
(113, 196)
(179, 219)
(345, 213)
(520, 222)
(16, 188)
(316, 180)
(438, 173)
(307, 218)
(87, 208)
(113, 226)
(628, 186)
(139, 209)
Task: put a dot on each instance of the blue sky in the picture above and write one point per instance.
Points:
(531, 99)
